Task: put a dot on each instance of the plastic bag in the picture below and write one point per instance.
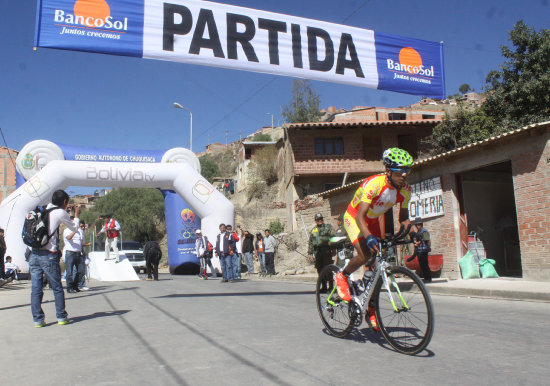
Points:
(487, 268)
(468, 267)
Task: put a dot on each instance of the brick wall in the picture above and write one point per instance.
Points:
(531, 173)
(443, 232)
(7, 172)
(306, 162)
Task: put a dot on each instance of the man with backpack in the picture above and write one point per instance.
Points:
(44, 256)
(152, 254)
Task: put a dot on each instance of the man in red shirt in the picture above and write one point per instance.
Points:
(112, 233)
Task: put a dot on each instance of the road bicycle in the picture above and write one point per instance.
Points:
(401, 302)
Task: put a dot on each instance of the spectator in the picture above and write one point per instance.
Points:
(46, 260)
(225, 249)
(344, 247)
(153, 254)
(248, 250)
(422, 246)
(203, 249)
(73, 258)
(112, 233)
(11, 270)
(260, 253)
(2, 253)
(237, 256)
(320, 247)
(269, 245)
(82, 283)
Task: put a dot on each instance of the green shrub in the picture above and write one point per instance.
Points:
(276, 227)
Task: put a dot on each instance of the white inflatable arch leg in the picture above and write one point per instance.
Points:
(209, 204)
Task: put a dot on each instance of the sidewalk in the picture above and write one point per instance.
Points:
(500, 288)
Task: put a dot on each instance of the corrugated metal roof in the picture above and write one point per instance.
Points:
(425, 161)
(482, 142)
(361, 123)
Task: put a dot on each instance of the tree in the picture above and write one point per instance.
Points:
(261, 137)
(518, 93)
(304, 106)
(464, 88)
(209, 168)
(140, 212)
(466, 127)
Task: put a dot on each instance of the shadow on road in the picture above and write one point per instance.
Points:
(95, 292)
(101, 314)
(367, 335)
(259, 293)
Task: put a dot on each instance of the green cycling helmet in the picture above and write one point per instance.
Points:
(397, 158)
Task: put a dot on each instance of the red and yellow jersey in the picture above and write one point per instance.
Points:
(378, 192)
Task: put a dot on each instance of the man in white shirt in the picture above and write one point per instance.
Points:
(73, 258)
(45, 260)
(269, 245)
(11, 269)
(112, 233)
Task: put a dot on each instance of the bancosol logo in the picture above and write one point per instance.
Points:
(91, 14)
(410, 63)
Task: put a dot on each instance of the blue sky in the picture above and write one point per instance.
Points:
(107, 101)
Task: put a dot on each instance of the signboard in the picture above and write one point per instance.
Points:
(426, 199)
(220, 35)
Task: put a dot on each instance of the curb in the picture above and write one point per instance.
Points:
(490, 293)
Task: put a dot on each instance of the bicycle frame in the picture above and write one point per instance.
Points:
(363, 298)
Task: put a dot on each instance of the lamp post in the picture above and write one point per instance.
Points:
(271, 120)
(178, 106)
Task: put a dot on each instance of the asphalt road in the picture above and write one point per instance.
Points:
(181, 330)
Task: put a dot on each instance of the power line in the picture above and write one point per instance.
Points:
(354, 12)
(268, 82)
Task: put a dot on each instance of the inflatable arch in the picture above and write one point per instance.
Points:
(176, 172)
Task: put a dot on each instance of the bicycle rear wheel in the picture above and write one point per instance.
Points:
(407, 324)
(337, 315)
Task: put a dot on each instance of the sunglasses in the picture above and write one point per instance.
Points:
(400, 171)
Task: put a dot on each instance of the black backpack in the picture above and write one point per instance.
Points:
(37, 224)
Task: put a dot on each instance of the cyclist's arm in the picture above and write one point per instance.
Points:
(404, 217)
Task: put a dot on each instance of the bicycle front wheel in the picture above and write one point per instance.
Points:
(405, 312)
(337, 315)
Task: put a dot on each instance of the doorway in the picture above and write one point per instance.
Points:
(490, 205)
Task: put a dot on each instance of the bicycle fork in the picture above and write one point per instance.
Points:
(397, 290)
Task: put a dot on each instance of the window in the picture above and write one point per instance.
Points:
(428, 116)
(397, 116)
(247, 153)
(329, 146)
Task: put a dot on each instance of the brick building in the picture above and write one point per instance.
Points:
(7, 171)
(499, 189)
(322, 156)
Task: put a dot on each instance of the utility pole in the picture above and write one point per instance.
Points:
(226, 131)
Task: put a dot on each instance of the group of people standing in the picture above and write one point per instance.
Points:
(233, 248)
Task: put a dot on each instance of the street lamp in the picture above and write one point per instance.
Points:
(271, 120)
(178, 106)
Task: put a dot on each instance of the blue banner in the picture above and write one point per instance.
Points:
(104, 26)
(181, 225)
(221, 35)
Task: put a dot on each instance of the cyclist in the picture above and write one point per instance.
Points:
(376, 195)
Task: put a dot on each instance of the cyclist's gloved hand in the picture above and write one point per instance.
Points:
(371, 241)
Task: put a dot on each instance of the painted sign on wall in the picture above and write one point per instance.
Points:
(426, 199)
